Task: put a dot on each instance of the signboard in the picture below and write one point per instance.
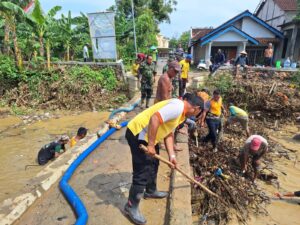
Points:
(102, 30)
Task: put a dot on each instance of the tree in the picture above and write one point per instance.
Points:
(298, 11)
(184, 40)
(11, 12)
(42, 22)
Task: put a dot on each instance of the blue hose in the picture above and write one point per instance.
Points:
(130, 108)
(70, 194)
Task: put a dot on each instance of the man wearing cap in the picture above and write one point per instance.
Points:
(147, 71)
(241, 61)
(52, 150)
(150, 127)
(255, 146)
(164, 86)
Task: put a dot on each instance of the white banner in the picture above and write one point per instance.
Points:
(102, 30)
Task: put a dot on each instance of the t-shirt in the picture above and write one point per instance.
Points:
(185, 68)
(170, 111)
(73, 142)
(47, 152)
(263, 146)
(235, 111)
(85, 52)
(135, 69)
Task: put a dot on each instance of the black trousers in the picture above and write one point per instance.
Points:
(145, 167)
(182, 86)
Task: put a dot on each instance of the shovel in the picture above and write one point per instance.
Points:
(144, 148)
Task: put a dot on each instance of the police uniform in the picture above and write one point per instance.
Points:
(147, 72)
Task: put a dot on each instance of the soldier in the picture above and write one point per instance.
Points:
(147, 73)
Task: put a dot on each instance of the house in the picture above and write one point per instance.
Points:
(243, 32)
(162, 45)
(280, 14)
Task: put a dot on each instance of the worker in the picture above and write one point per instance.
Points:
(204, 94)
(135, 68)
(185, 68)
(147, 73)
(150, 127)
(255, 146)
(164, 86)
(288, 194)
(175, 80)
(52, 150)
(240, 116)
(242, 61)
(81, 133)
(213, 110)
(219, 60)
(268, 54)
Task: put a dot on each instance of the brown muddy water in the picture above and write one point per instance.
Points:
(19, 145)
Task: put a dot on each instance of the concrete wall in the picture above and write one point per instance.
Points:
(255, 30)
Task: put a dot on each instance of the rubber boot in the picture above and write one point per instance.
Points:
(151, 192)
(142, 103)
(147, 102)
(132, 206)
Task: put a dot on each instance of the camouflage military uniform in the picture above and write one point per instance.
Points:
(147, 73)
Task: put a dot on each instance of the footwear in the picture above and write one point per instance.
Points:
(147, 102)
(156, 194)
(151, 191)
(132, 206)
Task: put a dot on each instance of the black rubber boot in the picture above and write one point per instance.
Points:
(132, 206)
(151, 192)
(147, 102)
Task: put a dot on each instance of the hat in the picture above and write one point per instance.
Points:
(174, 64)
(255, 144)
(64, 138)
(194, 100)
(244, 52)
(189, 56)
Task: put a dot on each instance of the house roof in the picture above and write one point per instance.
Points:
(287, 5)
(232, 21)
(200, 32)
(233, 29)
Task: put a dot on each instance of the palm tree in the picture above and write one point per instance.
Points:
(43, 24)
(11, 12)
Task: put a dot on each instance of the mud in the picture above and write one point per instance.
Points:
(20, 142)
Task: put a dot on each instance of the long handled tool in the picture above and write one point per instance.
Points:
(144, 148)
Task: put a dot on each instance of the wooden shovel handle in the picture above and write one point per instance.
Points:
(144, 148)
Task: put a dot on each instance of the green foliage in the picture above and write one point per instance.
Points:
(295, 79)
(224, 83)
(298, 11)
(183, 40)
(8, 70)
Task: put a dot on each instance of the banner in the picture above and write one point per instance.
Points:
(102, 31)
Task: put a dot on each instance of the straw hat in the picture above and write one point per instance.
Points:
(243, 52)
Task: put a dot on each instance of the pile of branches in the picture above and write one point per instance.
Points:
(272, 99)
(240, 195)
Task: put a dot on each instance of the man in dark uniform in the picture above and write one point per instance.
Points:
(147, 72)
(150, 127)
(52, 150)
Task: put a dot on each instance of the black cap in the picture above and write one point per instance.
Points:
(82, 131)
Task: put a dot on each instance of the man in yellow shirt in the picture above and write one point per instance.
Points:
(81, 133)
(240, 116)
(185, 68)
(150, 127)
(135, 68)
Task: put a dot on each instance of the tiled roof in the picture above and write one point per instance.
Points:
(200, 32)
(266, 41)
(287, 5)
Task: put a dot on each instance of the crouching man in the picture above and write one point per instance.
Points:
(255, 147)
(150, 127)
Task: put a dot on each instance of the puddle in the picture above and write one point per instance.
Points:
(19, 146)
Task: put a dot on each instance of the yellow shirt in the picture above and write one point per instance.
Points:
(170, 116)
(73, 142)
(134, 69)
(185, 68)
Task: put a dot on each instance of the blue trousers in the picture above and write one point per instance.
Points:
(214, 126)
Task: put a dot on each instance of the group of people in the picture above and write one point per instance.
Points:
(158, 124)
(56, 148)
(242, 61)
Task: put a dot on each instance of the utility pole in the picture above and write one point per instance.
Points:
(134, 34)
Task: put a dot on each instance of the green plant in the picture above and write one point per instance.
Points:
(224, 83)
(295, 79)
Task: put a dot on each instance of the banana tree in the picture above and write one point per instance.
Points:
(42, 22)
(11, 13)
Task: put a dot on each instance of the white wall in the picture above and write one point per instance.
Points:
(230, 36)
(255, 30)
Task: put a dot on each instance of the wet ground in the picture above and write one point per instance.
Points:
(21, 141)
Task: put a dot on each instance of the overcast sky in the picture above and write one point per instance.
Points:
(189, 13)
